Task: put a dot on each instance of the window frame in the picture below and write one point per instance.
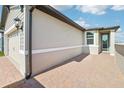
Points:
(21, 49)
(86, 38)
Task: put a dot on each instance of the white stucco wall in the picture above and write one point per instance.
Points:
(94, 48)
(112, 42)
(51, 33)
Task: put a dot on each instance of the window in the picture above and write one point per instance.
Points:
(90, 38)
(21, 41)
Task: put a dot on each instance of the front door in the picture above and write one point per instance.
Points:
(105, 42)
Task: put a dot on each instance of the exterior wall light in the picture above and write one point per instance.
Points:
(18, 23)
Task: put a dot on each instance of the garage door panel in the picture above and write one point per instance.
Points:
(13, 45)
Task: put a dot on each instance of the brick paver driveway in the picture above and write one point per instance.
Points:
(90, 71)
(82, 71)
(8, 73)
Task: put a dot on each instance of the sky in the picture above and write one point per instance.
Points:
(91, 16)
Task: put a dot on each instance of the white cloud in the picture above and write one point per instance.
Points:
(119, 36)
(118, 7)
(119, 30)
(62, 7)
(82, 23)
(93, 9)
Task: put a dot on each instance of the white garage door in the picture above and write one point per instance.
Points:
(13, 44)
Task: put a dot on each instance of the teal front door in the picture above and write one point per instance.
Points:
(105, 42)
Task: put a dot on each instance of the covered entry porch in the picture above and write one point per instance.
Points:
(98, 40)
(106, 40)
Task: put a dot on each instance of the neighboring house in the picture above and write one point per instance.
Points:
(0, 44)
(39, 37)
(1, 40)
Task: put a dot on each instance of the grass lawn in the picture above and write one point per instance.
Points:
(1, 54)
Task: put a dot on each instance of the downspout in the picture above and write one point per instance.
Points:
(30, 44)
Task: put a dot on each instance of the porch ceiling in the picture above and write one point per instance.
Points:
(104, 31)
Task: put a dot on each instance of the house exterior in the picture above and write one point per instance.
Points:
(46, 38)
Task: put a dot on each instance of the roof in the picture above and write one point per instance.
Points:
(104, 28)
(53, 12)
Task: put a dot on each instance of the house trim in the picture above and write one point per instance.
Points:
(37, 51)
(103, 28)
(54, 49)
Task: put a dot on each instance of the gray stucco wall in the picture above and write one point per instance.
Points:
(119, 54)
